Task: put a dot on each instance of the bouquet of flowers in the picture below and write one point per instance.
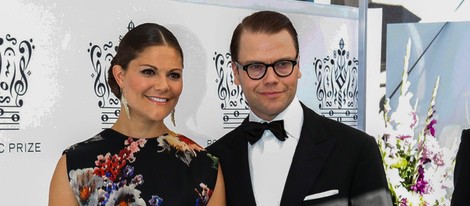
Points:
(419, 171)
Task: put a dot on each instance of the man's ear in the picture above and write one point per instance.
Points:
(236, 74)
(299, 74)
(118, 73)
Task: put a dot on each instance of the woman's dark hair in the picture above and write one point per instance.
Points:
(268, 22)
(136, 41)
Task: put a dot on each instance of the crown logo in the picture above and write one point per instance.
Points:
(233, 103)
(15, 56)
(101, 57)
(336, 85)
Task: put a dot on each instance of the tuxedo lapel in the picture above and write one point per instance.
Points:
(309, 158)
(238, 171)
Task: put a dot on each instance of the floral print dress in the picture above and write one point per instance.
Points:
(113, 169)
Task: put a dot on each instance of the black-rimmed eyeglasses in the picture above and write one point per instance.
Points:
(256, 71)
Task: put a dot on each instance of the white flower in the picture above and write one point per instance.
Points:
(419, 171)
(126, 195)
(85, 185)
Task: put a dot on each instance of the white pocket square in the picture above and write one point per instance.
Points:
(321, 195)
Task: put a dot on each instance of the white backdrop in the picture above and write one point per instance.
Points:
(53, 55)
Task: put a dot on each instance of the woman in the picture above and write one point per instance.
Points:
(139, 161)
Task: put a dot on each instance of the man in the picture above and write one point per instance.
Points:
(462, 172)
(316, 160)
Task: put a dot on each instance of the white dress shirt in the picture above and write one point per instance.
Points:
(270, 159)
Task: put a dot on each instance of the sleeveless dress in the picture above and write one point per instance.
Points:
(113, 169)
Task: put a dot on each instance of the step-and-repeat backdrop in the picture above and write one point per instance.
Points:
(54, 56)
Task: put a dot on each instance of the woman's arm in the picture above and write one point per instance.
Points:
(60, 192)
(218, 196)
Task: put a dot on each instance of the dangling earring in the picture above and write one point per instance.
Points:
(126, 106)
(172, 116)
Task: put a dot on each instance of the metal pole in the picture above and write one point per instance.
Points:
(361, 122)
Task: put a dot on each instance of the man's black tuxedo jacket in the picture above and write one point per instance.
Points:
(329, 156)
(461, 195)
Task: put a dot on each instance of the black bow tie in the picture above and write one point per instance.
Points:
(254, 130)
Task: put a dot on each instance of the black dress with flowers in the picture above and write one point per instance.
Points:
(111, 168)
